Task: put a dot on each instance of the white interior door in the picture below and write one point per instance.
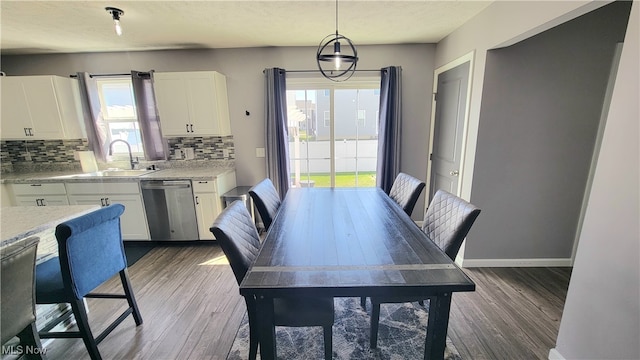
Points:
(451, 103)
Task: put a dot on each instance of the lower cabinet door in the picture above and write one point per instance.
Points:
(207, 210)
(133, 221)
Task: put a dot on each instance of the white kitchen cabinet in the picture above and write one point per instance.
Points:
(39, 194)
(40, 108)
(208, 200)
(192, 103)
(133, 221)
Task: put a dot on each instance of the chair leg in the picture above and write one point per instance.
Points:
(128, 291)
(30, 339)
(363, 302)
(375, 318)
(82, 321)
(328, 342)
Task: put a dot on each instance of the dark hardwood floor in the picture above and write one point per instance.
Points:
(192, 309)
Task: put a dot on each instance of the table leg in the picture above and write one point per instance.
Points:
(266, 328)
(437, 325)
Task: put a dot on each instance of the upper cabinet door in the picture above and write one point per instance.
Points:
(192, 103)
(45, 106)
(172, 102)
(16, 119)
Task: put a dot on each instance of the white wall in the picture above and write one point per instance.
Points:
(245, 84)
(601, 317)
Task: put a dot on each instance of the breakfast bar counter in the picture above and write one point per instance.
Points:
(20, 222)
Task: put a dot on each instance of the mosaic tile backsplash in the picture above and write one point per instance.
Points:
(61, 152)
(41, 151)
(205, 148)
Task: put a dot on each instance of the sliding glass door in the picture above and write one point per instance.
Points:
(333, 133)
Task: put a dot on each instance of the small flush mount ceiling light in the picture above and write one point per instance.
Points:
(335, 61)
(115, 14)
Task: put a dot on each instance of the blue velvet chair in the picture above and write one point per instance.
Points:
(18, 298)
(90, 252)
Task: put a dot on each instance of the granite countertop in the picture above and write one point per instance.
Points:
(20, 222)
(191, 173)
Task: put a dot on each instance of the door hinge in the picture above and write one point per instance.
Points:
(430, 157)
(435, 96)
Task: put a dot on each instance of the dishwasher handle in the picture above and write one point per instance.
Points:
(161, 185)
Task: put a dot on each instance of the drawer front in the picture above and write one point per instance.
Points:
(39, 189)
(204, 186)
(93, 188)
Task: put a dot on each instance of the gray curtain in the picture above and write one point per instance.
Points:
(389, 133)
(94, 123)
(277, 131)
(155, 148)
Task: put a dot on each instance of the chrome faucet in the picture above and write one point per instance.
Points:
(133, 163)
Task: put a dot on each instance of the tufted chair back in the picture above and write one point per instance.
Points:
(237, 235)
(448, 220)
(267, 201)
(405, 191)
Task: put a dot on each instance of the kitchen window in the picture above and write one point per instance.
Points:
(118, 108)
(342, 152)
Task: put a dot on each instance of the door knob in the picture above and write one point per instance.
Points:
(454, 173)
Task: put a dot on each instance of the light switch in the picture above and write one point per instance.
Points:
(260, 152)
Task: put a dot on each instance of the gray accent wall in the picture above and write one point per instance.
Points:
(541, 105)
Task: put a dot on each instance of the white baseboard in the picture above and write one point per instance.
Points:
(469, 263)
(555, 355)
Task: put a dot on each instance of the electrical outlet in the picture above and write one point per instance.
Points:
(27, 156)
(260, 152)
(225, 153)
(189, 153)
(178, 154)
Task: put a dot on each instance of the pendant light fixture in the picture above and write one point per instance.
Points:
(335, 61)
(115, 14)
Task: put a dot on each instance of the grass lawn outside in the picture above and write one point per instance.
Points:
(347, 179)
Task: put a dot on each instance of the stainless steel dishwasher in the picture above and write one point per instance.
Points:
(170, 209)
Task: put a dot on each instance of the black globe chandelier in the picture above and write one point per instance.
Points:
(333, 62)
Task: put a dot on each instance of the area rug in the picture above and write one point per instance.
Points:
(401, 335)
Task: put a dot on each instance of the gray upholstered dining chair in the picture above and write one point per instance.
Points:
(18, 297)
(447, 221)
(267, 201)
(237, 235)
(405, 191)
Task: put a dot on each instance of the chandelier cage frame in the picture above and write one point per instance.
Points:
(330, 52)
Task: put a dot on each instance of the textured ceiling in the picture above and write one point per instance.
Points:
(31, 27)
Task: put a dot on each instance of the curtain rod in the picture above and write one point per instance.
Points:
(304, 71)
(110, 75)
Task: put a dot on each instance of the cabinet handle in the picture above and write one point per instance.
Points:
(203, 182)
(25, 132)
(187, 126)
(102, 201)
(106, 200)
(191, 126)
(197, 201)
(36, 184)
(38, 202)
(30, 131)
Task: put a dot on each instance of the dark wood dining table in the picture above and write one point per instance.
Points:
(350, 242)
